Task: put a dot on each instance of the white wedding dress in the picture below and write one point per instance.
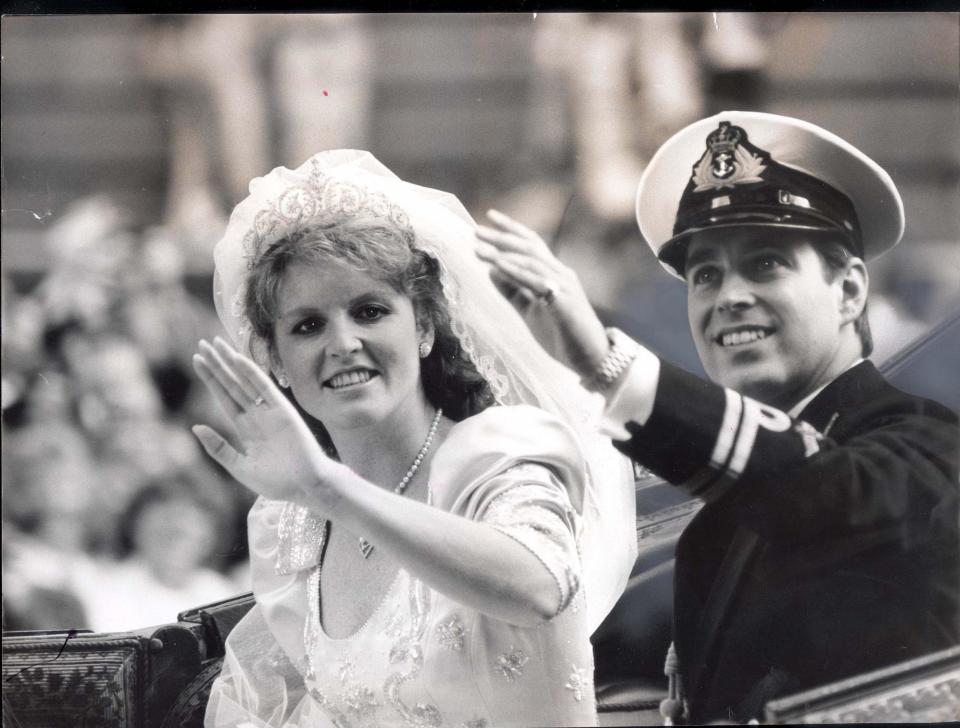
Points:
(422, 659)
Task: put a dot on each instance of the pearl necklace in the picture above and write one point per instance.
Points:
(366, 548)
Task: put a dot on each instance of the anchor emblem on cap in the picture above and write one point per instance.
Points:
(727, 161)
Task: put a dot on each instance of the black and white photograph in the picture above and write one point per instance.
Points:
(480, 369)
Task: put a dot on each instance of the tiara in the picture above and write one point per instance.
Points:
(320, 198)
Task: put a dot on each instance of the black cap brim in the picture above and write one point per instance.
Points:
(673, 253)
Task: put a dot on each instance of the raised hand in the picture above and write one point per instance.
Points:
(547, 293)
(274, 453)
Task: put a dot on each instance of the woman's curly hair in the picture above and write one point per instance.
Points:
(450, 380)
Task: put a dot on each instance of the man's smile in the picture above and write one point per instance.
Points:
(742, 335)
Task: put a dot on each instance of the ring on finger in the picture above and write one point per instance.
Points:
(259, 401)
(549, 294)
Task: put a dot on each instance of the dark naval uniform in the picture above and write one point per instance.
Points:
(827, 546)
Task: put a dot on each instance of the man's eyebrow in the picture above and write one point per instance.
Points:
(700, 256)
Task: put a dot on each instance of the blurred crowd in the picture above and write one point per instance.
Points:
(113, 518)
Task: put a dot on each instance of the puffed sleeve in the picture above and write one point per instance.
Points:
(532, 508)
(519, 470)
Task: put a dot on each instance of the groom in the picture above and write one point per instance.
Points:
(828, 543)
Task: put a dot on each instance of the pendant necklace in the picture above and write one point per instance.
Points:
(366, 548)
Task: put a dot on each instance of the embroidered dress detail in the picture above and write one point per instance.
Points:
(311, 629)
(408, 649)
(579, 682)
(301, 537)
(361, 700)
(510, 664)
(353, 702)
(451, 634)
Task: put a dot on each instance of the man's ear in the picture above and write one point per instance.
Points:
(854, 284)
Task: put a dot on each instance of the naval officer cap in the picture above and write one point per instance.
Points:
(745, 168)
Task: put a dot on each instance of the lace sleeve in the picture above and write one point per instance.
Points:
(534, 510)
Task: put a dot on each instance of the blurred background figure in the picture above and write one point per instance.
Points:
(128, 138)
(165, 550)
(633, 79)
(48, 487)
(97, 402)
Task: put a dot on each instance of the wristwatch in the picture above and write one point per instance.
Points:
(623, 350)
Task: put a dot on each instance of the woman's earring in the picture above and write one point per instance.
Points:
(424, 349)
(282, 380)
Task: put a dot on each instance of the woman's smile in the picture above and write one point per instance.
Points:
(350, 379)
(348, 342)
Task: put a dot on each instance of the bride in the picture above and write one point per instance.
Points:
(439, 528)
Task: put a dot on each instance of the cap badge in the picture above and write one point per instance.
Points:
(727, 161)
